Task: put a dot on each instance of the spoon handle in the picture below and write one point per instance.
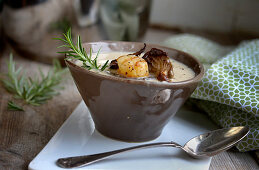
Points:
(79, 161)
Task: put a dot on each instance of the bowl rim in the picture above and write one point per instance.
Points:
(195, 79)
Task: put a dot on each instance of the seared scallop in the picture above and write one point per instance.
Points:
(132, 66)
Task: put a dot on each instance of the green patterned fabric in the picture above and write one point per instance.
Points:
(229, 91)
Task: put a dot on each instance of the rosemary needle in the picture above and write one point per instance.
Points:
(13, 106)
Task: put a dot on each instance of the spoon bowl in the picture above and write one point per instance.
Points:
(214, 142)
(202, 146)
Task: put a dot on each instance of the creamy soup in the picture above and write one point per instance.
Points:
(181, 71)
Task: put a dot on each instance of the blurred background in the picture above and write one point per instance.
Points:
(29, 26)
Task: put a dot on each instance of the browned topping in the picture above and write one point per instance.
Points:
(140, 51)
(114, 64)
(159, 64)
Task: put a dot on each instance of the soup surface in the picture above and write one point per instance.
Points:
(181, 71)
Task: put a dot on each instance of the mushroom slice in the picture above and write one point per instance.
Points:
(159, 64)
(114, 64)
(140, 51)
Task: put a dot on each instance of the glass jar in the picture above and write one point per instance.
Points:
(124, 20)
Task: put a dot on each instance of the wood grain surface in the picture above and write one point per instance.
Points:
(24, 134)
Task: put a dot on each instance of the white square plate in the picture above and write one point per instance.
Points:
(77, 136)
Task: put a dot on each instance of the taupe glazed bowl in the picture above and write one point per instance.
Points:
(129, 109)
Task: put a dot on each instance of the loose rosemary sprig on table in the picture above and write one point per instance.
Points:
(79, 53)
(33, 91)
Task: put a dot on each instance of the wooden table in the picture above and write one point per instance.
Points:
(24, 134)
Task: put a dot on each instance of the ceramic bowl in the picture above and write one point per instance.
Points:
(130, 109)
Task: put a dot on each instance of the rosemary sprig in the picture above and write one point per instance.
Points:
(33, 91)
(13, 106)
(79, 53)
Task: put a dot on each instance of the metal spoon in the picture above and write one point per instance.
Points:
(205, 145)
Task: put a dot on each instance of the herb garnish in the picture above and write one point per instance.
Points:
(78, 52)
(33, 91)
(13, 106)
